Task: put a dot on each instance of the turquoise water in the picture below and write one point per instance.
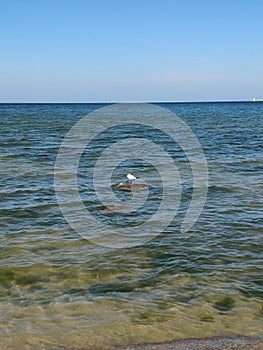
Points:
(59, 288)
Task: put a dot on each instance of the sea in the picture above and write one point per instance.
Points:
(60, 289)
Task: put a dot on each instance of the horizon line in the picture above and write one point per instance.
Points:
(119, 102)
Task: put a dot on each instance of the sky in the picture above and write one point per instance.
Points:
(130, 50)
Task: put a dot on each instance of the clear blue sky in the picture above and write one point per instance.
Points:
(130, 50)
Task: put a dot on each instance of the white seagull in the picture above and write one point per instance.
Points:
(131, 177)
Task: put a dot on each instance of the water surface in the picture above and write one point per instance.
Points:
(58, 288)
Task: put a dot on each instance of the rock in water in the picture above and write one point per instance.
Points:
(131, 187)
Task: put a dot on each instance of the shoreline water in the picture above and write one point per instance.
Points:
(213, 343)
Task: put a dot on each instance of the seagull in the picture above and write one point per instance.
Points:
(131, 178)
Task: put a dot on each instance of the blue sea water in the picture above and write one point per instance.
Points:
(57, 288)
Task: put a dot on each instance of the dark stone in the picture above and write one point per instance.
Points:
(131, 187)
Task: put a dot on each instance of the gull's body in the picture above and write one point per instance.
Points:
(131, 177)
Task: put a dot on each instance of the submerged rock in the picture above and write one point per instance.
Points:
(224, 304)
(113, 208)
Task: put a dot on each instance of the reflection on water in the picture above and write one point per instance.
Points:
(57, 288)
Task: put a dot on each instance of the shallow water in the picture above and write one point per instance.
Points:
(58, 288)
